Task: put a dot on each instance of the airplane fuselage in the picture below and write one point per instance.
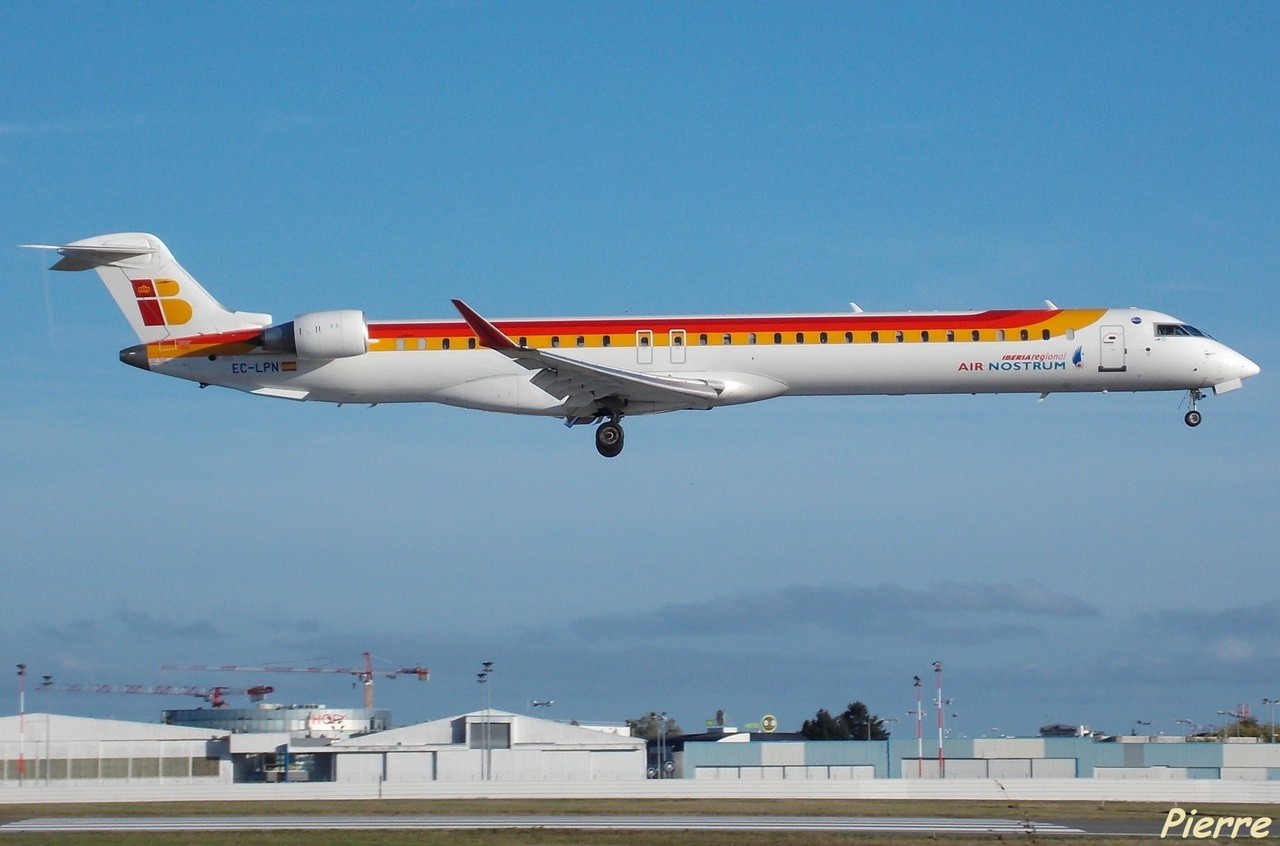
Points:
(599, 370)
(751, 357)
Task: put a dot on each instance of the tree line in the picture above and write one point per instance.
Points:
(855, 722)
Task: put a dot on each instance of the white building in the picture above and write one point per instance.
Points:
(54, 749)
(495, 744)
(492, 745)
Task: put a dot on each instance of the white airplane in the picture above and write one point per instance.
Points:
(597, 370)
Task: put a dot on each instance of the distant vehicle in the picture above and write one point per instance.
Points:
(598, 370)
(1065, 730)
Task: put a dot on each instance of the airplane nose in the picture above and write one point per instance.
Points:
(1248, 368)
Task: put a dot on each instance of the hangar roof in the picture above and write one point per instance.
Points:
(60, 727)
(526, 732)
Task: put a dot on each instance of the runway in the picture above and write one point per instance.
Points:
(912, 825)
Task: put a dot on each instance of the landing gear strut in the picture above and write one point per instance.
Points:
(1192, 417)
(609, 438)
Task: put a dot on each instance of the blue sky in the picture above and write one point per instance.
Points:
(1086, 559)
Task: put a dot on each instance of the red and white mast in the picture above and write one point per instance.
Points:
(942, 768)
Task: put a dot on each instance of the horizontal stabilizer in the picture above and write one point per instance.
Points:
(89, 257)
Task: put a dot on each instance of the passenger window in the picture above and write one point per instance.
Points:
(524, 342)
(399, 343)
(1023, 334)
(751, 337)
(924, 336)
(848, 337)
(728, 339)
(999, 334)
(822, 337)
(976, 336)
(777, 337)
(555, 340)
(702, 340)
(422, 343)
(582, 342)
(875, 337)
(677, 340)
(951, 335)
(444, 343)
(1044, 334)
(644, 340)
(897, 336)
(605, 341)
(1071, 334)
(799, 337)
(471, 343)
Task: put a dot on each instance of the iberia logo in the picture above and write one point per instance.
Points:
(158, 302)
(1077, 358)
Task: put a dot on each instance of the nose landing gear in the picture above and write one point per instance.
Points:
(609, 438)
(1192, 417)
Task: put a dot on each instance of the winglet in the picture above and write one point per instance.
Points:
(490, 336)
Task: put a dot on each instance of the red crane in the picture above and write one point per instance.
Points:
(365, 674)
(213, 695)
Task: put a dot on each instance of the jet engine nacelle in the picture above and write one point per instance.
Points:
(320, 334)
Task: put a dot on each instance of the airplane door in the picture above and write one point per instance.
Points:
(676, 344)
(1111, 357)
(644, 346)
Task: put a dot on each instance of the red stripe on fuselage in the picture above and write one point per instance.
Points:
(1002, 319)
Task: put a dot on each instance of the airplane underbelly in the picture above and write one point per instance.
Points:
(512, 393)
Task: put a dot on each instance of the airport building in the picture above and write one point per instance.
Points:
(278, 745)
(499, 746)
(296, 720)
(492, 745)
(54, 748)
(742, 755)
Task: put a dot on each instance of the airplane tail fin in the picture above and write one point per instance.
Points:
(159, 299)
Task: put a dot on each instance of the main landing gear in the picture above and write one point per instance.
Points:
(1192, 417)
(609, 438)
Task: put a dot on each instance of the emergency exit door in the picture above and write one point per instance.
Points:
(676, 343)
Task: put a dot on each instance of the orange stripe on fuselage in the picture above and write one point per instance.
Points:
(239, 342)
(1002, 319)
(622, 330)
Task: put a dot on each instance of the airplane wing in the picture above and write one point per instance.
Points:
(587, 389)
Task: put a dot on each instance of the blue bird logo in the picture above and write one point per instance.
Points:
(1077, 357)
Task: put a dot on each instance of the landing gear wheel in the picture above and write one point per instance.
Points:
(1193, 416)
(609, 439)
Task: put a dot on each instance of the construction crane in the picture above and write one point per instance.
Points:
(365, 674)
(213, 695)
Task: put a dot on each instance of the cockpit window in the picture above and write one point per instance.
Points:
(1178, 329)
